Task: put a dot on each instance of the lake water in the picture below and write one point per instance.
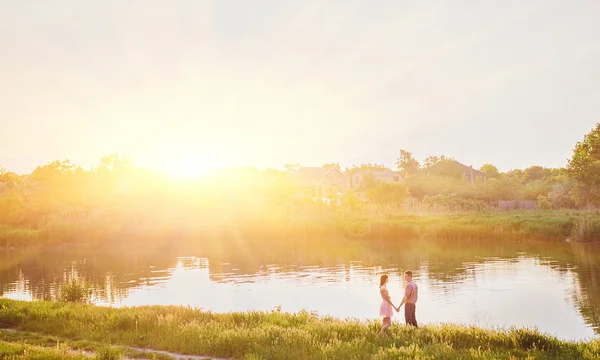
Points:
(554, 287)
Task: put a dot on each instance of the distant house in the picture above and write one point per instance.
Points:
(380, 177)
(454, 168)
(318, 182)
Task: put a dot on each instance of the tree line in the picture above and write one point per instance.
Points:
(576, 185)
(62, 187)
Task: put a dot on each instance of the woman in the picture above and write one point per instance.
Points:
(386, 309)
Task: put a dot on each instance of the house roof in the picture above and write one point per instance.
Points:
(469, 169)
(464, 168)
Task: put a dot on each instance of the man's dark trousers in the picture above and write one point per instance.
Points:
(409, 314)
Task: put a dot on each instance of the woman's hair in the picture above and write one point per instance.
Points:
(383, 280)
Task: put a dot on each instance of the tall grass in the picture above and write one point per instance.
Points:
(296, 224)
(24, 351)
(76, 291)
(278, 335)
(109, 353)
(17, 237)
(586, 229)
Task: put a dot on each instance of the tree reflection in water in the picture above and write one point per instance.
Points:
(114, 271)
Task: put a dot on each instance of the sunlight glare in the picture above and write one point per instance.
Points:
(184, 165)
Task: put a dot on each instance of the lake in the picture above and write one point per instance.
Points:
(553, 286)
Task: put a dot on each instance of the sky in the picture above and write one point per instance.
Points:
(196, 84)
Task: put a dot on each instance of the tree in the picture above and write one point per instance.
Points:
(367, 168)
(534, 173)
(516, 175)
(291, 167)
(113, 162)
(434, 160)
(335, 166)
(584, 168)
(53, 171)
(446, 167)
(490, 170)
(504, 189)
(407, 164)
(10, 179)
(387, 194)
(368, 181)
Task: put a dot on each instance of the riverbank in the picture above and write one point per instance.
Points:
(275, 335)
(294, 226)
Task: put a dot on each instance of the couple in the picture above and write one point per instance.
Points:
(411, 293)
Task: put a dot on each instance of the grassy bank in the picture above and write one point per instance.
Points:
(277, 335)
(310, 223)
(25, 351)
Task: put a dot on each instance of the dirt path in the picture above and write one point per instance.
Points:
(176, 356)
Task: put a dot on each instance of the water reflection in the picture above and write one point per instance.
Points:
(552, 286)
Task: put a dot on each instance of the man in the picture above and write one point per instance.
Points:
(411, 294)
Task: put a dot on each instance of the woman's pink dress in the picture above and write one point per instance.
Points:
(385, 309)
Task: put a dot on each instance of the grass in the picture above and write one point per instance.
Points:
(277, 335)
(50, 346)
(24, 351)
(299, 224)
(586, 229)
(76, 291)
(18, 237)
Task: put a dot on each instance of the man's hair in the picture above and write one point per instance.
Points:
(408, 272)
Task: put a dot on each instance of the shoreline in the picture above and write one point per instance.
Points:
(397, 319)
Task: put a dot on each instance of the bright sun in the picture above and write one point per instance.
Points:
(184, 166)
(184, 169)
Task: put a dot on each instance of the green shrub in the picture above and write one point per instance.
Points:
(75, 291)
(109, 353)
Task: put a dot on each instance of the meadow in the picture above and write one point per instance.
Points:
(268, 335)
(301, 223)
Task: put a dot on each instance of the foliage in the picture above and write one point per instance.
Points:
(18, 351)
(368, 181)
(584, 168)
(490, 170)
(113, 163)
(534, 173)
(543, 203)
(452, 203)
(387, 194)
(278, 335)
(291, 167)
(431, 161)
(407, 164)
(109, 353)
(335, 166)
(14, 237)
(352, 202)
(367, 168)
(586, 229)
(445, 167)
(76, 291)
